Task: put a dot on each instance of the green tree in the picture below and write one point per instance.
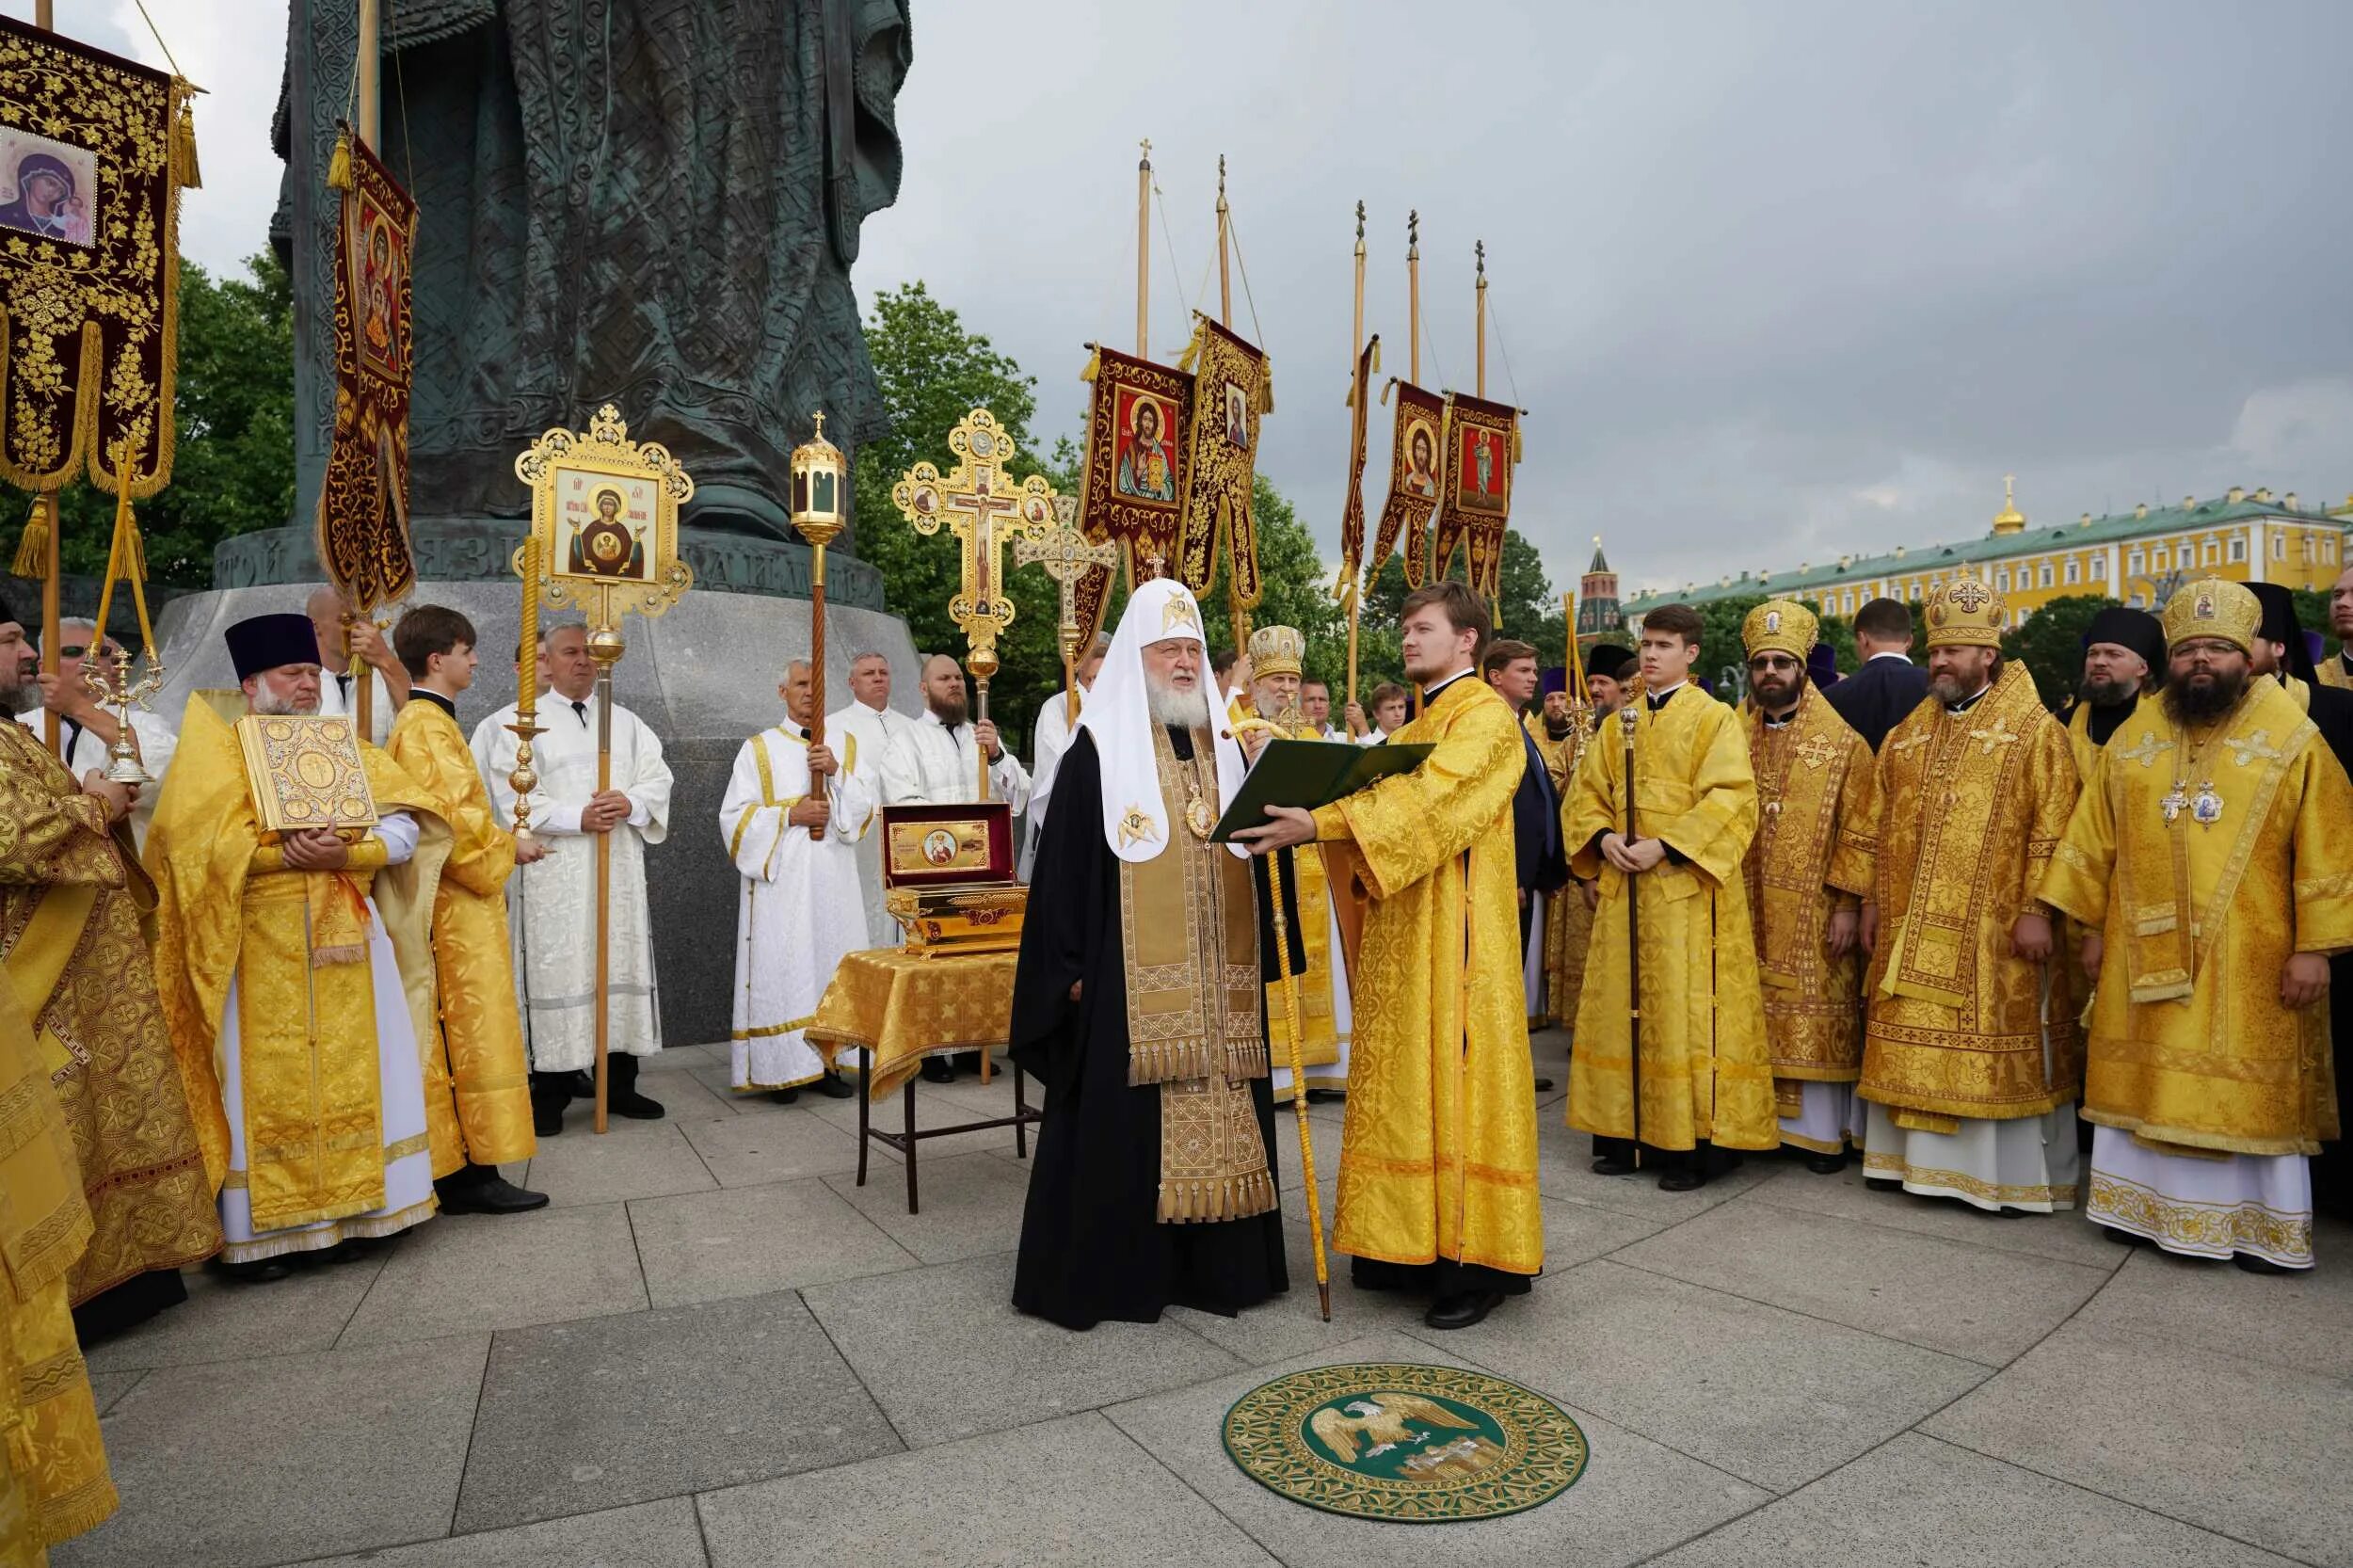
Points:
(1531, 612)
(2050, 644)
(233, 467)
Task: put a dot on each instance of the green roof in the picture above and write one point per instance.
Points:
(1935, 559)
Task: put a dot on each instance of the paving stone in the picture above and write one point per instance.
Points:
(980, 1502)
(107, 1388)
(1926, 1504)
(1634, 1500)
(650, 1535)
(2069, 1237)
(2243, 1448)
(971, 1206)
(246, 1462)
(586, 1416)
(483, 1273)
(223, 1320)
(1564, 1169)
(1980, 1303)
(1770, 1396)
(748, 1240)
(750, 1149)
(2302, 1322)
(578, 1171)
(936, 1106)
(948, 1357)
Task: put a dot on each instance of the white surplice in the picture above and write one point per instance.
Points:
(82, 750)
(400, 1080)
(552, 903)
(1052, 740)
(873, 727)
(335, 699)
(2202, 1206)
(799, 910)
(929, 764)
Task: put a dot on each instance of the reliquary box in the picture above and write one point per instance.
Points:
(947, 877)
(304, 773)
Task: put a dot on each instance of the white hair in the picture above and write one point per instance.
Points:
(1171, 705)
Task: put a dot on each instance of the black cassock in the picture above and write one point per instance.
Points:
(1091, 1248)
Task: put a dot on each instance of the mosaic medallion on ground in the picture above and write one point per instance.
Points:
(1416, 1445)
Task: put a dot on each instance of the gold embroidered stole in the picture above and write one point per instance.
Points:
(1188, 942)
(1800, 775)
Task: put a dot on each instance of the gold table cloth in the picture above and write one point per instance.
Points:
(903, 1006)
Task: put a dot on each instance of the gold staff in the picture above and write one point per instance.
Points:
(820, 481)
(126, 558)
(1143, 248)
(525, 726)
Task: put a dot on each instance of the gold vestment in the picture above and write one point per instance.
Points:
(72, 899)
(1971, 805)
(1319, 1029)
(53, 1463)
(462, 992)
(2190, 1048)
(1438, 1153)
(2079, 741)
(1810, 858)
(2333, 673)
(296, 943)
(1705, 1070)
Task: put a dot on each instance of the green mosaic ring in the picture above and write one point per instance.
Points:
(1412, 1444)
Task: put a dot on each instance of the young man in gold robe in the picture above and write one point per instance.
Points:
(1971, 1058)
(1277, 655)
(71, 898)
(1807, 872)
(1569, 915)
(2211, 859)
(1703, 1085)
(461, 988)
(281, 986)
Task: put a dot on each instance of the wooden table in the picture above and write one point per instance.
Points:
(896, 1006)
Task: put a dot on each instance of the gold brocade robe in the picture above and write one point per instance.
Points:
(1706, 1072)
(1438, 1153)
(2333, 673)
(1811, 856)
(2080, 742)
(53, 1463)
(296, 942)
(2190, 1046)
(72, 897)
(1568, 923)
(1971, 805)
(1319, 1029)
(461, 992)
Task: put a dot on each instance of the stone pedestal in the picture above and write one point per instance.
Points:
(703, 677)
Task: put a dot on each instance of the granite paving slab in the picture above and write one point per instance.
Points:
(751, 1149)
(2068, 1236)
(578, 1171)
(224, 1320)
(971, 1206)
(2301, 1321)
(649, 1535)
(475, 1273)
(748, 1240)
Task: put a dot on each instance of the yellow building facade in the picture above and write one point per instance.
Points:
(2136, 556)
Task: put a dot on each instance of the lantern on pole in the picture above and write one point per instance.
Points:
(821, 483)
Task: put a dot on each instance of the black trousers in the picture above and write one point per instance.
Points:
(1446, 1277)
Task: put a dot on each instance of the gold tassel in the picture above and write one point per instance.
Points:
(1376, 354)
(32, 550)
(184, 149)
(1095, 366)
(1515, 440)
(339, 166)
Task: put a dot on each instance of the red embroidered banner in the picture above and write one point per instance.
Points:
(1481, 446)
(1132, 485)
(1418, 443)
(363, 504)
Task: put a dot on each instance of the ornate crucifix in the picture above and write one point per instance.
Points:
(972, 501)
(1065, 554)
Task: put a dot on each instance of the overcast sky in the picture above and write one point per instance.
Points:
(1772, 281)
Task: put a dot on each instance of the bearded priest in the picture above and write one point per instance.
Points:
(1438, 1153)
(1808, 869)
(281, 986)
(1972, 1056)
(2211, 860)
(1138, 1003)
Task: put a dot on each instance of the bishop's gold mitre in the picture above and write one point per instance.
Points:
(1779, 626)
(2213, 607)
(1965, 611)
(1277, 650)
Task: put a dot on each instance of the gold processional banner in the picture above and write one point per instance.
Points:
(1420, 436)
(1353, 510)
(1482, 442)
(93, 153)
(1132, 485)
(363, 503)
(1232, 387)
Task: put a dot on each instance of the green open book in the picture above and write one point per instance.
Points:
(1308, 774)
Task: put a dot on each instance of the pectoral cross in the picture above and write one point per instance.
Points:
(1065, 554)
(972, 501)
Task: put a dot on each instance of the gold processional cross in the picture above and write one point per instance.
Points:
(1065, 554)
(972, 501)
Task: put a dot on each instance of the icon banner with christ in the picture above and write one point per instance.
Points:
(1414, 456)
(1482, 443)
(1132, 483)
(1233, 388)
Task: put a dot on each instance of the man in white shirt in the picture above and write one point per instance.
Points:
(870, 721)
(1053, 738)
(1389, 703)
(371, 652)
(1315, 702)
(86, 730)
(936, 759)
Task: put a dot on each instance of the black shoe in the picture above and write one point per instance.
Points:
(785, 1097)
(834, 1087)
(1883, 1184)
(2254, 1265)
(1464, 1310)
(938, 1069)
(493, 1194)
(1542, 1083)
(581, 1084)
(1325, 1097)
(1682, 1178)
(620, 1091)
(547, 1113)
(966, 1062)
(1826, 1164)
(2124, 1238)
(1612, 1164)
(259, 1271)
